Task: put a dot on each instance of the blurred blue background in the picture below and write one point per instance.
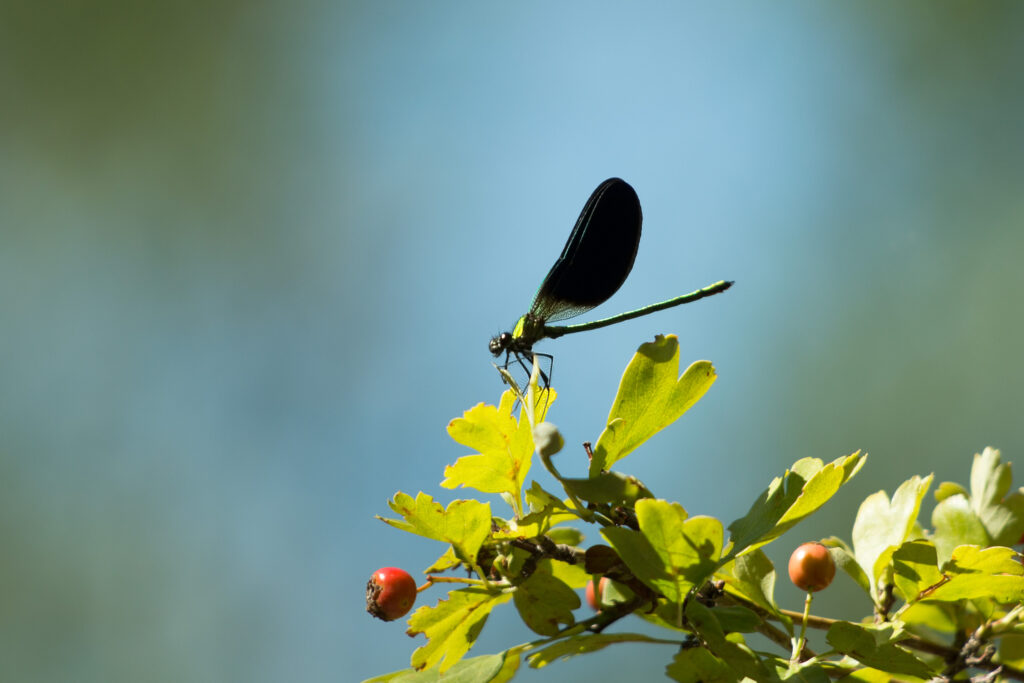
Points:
(252, 254)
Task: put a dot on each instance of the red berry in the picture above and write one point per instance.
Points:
(390, 593)
(811, 567)
(594, 592)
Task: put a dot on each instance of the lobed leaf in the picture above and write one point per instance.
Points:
(651, 396)
(546, 511)
(498, 668)
(465, 523)
(947, 489)
(452, 626)
(670, 553)
(572, 575)
(875, 648)
(915, 569)
(582, 644)
(737, 656)
(504, 450)
(883, 525)
(842, 555)
(956, 524)
(752, 577)
(791, 498)
(698, 665)
(613, 488)
(545, 602)
(448, 560)
(737, 619)
(935, 616)
(994, 573)
(1001, 515)
(1011, 649)
(802, 672)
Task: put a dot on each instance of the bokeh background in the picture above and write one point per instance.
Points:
(252, 253)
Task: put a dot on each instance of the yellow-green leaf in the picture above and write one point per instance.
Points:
(503, 453)
(578, 645)
(545, 602)
(447, 560)
(791, 498)
(614, 488)
(956, 524)
(671, 553)
(1002, 515)
(698, 665)
(752, 576)
(975, 572)
(465, 523)
(936, 616)
(498, 668)
(915, 569)
(842, 555)
(650, 398)
(876, 648)
(452, 626)
(737, 655)
(883, 525)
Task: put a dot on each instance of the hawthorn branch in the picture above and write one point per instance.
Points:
(543, 547)
(970, 655)
(772, 633)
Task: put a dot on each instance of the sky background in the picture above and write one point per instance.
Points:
(251, 254)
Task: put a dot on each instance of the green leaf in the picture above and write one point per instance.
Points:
(791, 498)
(947, 489)
(738, 656)
(995, 560)
(579, 645)
(915, 569)
(883, 525)
(994, 573)
(544, 602)
(608, 487)
(498, 668)
(956, 524)
(566, 535)
(641, 558)
(650, 398)
(843, 556)
(613, 593)
(990, 482)
(1012, 532)
(572, 575)
(1001, 589)
(737, 619)
(1011, 650)
(546, 511)
(448, 560)
(670, 553)
(867, 675)
(465, 523)
(452, 626)
(936, 616)
(505, 450)
(875, 648)
(805, 672)
(698, 665)
(752, 577)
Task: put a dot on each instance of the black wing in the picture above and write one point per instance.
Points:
(598, 256)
